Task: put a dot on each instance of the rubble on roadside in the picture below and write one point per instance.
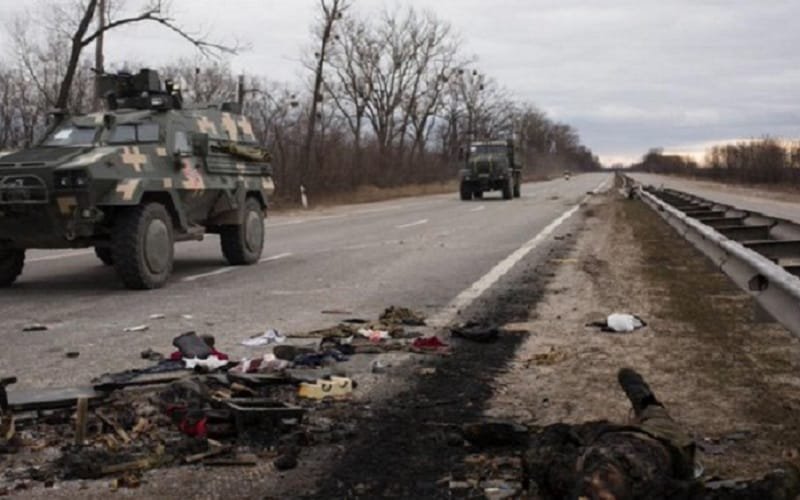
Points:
(196, 406)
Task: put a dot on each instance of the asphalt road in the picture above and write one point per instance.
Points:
(432, 253)
(757, 202)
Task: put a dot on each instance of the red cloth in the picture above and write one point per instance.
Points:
(177, 356)
(429, 343)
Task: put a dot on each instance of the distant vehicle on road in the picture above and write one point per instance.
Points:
(491, 166)
(133, 180)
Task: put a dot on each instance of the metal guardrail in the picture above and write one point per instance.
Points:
(761, 254)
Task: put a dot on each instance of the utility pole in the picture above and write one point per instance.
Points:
(98, 52)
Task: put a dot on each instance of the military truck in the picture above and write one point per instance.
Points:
(133, 180)
(490, 166)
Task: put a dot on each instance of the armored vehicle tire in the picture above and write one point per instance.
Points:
(478, 195)
(508, 189)
(142, 246)
(466, 192)
(242, 244)
(517, 189)
(11, 263)
(104, 254)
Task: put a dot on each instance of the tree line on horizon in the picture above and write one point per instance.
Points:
(766, 160)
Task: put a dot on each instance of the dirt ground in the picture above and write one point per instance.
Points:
(731, 380)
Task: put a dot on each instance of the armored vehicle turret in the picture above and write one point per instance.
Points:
(134, 179)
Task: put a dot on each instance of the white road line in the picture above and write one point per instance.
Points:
(466, 297)
(276, 257)
(412, 224)
(221, 270)
(478, 209)
(60, 256)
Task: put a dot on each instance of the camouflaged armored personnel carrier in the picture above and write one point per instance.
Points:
(491, 166)
(133, 180)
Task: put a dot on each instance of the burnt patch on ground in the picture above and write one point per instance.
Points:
(409, 446)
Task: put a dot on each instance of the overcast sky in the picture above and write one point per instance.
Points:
(629, 75)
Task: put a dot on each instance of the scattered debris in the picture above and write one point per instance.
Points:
(619, 323)
(187, 316)
(157, 316)
(72, 354)
(209, 363)
(379, 366)
(321, 389)
(290, 352)
(35, 327)
(137, 328)
(336, 311)
(430, 370)
(270, 336)
(265, 364)
(374, 335)
(495, 433)
(551, 357)
(476, 332)
(151, 355)
(191, 346)
(429, 344)
(401, 316)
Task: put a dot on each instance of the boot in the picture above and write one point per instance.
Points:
(636, 389)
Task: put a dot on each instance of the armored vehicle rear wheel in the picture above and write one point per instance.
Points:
(11, 262)
(508, 189)
(517, 188)
(243, 244)
(104, 254)
(466, 192)
(142, 246)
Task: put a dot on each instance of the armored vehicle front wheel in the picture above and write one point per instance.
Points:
(142, 246)
(466, 192)
(508, 188)
(11, 262)
(104, 254)
(242, 244)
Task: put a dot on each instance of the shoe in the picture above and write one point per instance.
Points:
(636, 389)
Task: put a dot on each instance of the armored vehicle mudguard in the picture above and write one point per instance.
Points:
(491, 166)
(133, 180)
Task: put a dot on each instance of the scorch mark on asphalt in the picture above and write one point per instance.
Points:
(466, 297)
(412, 224)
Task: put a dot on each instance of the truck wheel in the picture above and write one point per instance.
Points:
(142, 246)
(104, 254)
(11, 262)
(478, 195)
(242, 244)
(517, 188)
(466, 192)
(508, 189)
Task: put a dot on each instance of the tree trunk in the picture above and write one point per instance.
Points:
(75, 55)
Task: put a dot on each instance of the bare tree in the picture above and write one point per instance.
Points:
(332, 11)
(82, 34)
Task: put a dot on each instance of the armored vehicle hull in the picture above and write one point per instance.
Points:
(131, 182)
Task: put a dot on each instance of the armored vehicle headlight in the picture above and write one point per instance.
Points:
(70, 179)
